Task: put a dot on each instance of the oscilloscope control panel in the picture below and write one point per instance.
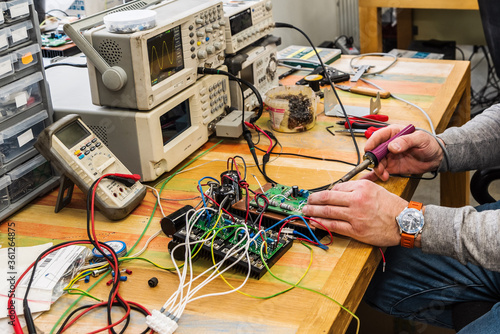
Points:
(162, 61)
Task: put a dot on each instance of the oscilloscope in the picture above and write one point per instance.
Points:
(246, 22)
(139, 70)
(149, 143)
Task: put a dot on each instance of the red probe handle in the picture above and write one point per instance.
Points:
(381, 151)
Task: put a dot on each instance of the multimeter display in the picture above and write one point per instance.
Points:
(72, 134)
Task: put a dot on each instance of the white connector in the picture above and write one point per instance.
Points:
(160, 323)
(287, 230)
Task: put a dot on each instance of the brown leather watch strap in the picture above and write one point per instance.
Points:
(407, 240)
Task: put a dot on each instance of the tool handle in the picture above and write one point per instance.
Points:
(363, 125)
(375, 117)
(370, 131)
(370, 92)
(381, 151)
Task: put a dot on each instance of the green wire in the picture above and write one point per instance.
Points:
(140, 237)
(308, 289)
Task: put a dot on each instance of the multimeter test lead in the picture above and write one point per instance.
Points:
(373, 157)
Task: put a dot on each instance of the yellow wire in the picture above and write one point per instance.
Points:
(309, 289)
(259, 297)
(88, 271)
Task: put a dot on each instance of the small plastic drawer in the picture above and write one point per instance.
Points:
(4, 38)
(4, 192)
(19, 138)
(3, 7)
(16, 10)
(20, 95)
(19, 33)
(7, 64)
(26, 57)
(27, 177)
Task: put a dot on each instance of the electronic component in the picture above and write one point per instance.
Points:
(246, 22)
(174, 221)
(256, 64)
(148, 143)
(152, 282)
(139, 70)
(118, 246)
(285, 200)
(227, 238)
(334, 74)
(83, 158)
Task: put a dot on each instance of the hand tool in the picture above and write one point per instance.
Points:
(365, 91)
(360, 132)
(372, 158)
(364, 125)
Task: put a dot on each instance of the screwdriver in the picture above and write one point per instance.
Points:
(373, 157)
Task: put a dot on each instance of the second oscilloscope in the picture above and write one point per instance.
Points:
(148, 67)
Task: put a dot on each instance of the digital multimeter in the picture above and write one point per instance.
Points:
(82, 157)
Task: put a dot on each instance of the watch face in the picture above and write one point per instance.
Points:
(411, 221)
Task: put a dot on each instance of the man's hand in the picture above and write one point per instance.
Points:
(359, 209)
(415, 153)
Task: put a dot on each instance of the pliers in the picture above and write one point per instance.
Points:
(359, 132)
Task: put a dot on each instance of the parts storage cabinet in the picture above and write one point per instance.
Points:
(25, 108)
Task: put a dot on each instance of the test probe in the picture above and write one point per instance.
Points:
(373, 157)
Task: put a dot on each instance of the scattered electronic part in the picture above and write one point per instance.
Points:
(118, 246)
(227, 238)
(152, 282)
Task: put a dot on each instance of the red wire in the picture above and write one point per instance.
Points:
(17, 327)
(324, 227)
(253, 126)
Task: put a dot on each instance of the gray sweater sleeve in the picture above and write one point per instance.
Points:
(476, 144)
(463, 233)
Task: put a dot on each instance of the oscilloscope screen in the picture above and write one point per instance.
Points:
(175, 121)
(165, 55)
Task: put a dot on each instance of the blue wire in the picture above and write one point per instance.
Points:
(203, 194)
(305, 222)
(303, 236)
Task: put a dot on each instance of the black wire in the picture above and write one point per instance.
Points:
(460, 50)
(135, 308)
(57, 10)
(110, 261)
(65, 64)
(286, 25)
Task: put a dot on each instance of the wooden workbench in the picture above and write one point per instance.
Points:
(343, 272)
(370, 27)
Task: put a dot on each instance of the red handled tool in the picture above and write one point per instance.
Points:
(367, 133)
(372, 158)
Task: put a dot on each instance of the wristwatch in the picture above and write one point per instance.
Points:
(411, 222)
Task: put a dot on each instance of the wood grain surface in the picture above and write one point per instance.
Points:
(342, 272)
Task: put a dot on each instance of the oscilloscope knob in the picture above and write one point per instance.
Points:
(210, 49)
(218, 46)
(215, 26)
(199, 21)
(202, 54)
(200, 33)
(269, 6)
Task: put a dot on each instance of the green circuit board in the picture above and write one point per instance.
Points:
(282, 200)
